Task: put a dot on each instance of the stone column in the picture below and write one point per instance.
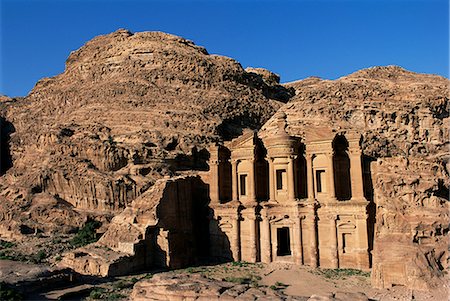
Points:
(214, 187)
(236, 239)
(333, 243)
(271, 180)
(310, 176)
(296, 242)
(234, 180)
(252, 183)
(356, 176)
(300, 237)
(331, 189)
(363, 246)
(291, 179)
(252, 238)
(310, 225)
(266, 248)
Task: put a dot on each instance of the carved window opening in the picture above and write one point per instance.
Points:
(243, 184)
(283, 242)
(319, 180)
(346, 238)
(341, 163)
(281, 179)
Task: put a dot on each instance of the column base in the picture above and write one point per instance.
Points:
(359, 200)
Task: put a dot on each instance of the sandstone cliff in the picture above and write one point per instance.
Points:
(403, 117)
(128, 109)
(131, 108)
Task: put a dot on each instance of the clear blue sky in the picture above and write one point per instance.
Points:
(295, 39)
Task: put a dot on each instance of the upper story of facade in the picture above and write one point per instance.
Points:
(323, 166)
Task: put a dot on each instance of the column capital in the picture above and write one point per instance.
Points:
(309, 156)
(331, 217)
(361, 216)
(355, 151)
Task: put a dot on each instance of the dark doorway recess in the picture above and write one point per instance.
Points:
(284, 242)
(341, 162)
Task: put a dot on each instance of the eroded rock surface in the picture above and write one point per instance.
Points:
(167, 226)
(127, 110)
(169, 286)
(131, 108)
(403, 117)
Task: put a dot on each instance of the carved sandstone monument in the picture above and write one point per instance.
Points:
(184, 155)
(279, 199)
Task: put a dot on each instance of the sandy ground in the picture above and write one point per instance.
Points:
(291, 279)
(304, 281)
(14, 271)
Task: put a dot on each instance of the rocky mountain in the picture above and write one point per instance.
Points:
(128, 109)
(132, 108)
(404, 120)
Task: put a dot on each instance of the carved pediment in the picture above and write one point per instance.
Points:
(246, 140)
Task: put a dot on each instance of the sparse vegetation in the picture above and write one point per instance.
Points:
(238, 280)
(87, 234)
(40, 257)
(122, 284)
(278, 286)
(6, 244)
(115, 296)
(112, 292)
(240, 264)
(250, 279)
(340, 273)
(97, 293)
(5, 256)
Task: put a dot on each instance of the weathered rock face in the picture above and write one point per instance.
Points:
(403, 117)
(170, 286)
(128, 109)
(411, 242)
(167, 226)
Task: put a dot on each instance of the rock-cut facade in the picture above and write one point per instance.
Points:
(282, 198)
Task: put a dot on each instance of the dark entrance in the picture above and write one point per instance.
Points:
(284, 242)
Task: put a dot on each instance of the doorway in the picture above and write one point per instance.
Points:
(283, 242)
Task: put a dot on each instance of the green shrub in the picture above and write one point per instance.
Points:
(39, 257)
(340, 273)
(240, 264)
(121, 284)
(278, 286)
(281, 284)
(6, 244)
(5, 256)
(87, 234)
(115, 296)
(96, 293)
